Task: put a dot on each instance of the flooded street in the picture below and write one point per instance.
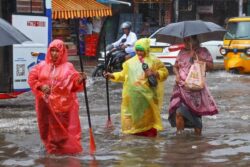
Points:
(225, 140)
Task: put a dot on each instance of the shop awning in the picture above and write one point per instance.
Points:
(69, 9)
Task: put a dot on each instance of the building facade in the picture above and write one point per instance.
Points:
(149, 15)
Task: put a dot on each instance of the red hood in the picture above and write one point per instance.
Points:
(63, 54)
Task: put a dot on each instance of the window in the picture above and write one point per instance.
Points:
(30, 6)
(185, 5)
(238, 30)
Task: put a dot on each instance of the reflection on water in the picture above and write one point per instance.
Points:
(225, 140)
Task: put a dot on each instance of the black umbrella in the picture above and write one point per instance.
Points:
(174, 33)
(10, 35)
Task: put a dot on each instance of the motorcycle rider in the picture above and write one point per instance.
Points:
(130, 37)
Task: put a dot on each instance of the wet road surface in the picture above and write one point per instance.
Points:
(225, 140)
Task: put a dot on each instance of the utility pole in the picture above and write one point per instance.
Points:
(240, 7)
(176, 10)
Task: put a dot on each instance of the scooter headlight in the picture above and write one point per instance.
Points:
(247, 51)
(223, 51)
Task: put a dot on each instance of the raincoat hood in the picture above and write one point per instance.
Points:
(143, 44)
(63, 55)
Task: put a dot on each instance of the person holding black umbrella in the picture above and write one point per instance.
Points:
(188, 106)
(55, 83)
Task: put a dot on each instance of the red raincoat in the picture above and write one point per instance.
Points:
(57, 113)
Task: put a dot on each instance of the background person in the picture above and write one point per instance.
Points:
(187, 106)
(130, 37)
(97, 25)
(141, 103)
(54, 83)
(145, 30)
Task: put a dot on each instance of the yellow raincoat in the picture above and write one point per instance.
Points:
(141, 104)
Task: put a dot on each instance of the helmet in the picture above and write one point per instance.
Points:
(127, 25)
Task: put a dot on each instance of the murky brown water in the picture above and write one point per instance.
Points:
(225, 140)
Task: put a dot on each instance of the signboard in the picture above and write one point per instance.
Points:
(205, 9)
(36, 28)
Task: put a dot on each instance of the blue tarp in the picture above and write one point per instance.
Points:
(103, 1)
(114, 2)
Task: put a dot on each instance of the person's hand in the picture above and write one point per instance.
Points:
(113, 49)
(123, 46)
(193, 55)
(108, 75)
(177, 79)
(200, 61)
(45, 89)
(82, 76)
(149, 72)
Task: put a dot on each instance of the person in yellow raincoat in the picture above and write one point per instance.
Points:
(141, 102)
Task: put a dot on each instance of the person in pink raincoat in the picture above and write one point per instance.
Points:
(187, 106)
(55, 82)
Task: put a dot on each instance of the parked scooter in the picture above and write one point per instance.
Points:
(115, 58)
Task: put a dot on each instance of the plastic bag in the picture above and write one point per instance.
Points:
(196, 76)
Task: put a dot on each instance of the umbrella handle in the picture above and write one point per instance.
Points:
(191, 48)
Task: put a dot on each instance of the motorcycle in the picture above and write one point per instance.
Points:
(114, 60)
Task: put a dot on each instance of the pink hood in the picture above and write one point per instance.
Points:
(63, 54)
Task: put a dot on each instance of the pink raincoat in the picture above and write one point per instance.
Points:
(199, 102)
(57, 113)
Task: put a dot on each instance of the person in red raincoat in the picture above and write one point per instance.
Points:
(55, 83)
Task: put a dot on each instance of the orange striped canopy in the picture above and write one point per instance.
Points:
(70, 9)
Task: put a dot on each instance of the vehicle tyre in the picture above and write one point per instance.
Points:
(98, 72)
(170, 70)
(234, 71)
(169, 66)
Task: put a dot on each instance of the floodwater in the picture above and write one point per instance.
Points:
(225, 140)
